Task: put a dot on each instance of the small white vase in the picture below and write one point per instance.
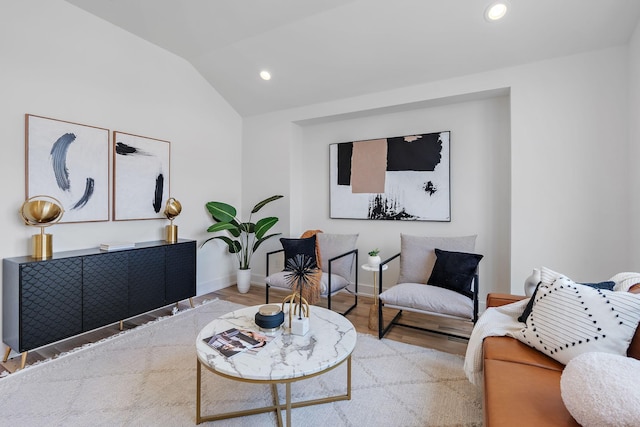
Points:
(531, 282)
(243, 280)
(374, 261)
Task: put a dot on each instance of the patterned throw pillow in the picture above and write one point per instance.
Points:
(568, 319)
(527, 310)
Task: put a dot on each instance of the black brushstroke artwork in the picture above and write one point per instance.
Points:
(381, 207)
(157, 200)
(345, 152)
(430, 188)
(59, 160)
(126, 150)
(422, 154)
(88, 192)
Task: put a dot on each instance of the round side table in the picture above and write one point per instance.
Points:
(373, 310)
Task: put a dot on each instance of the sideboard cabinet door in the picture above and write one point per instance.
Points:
(104, 293)
(50, 307)
(146, 279)
(181, 271)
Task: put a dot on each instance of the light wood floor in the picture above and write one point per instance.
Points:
(359, 317)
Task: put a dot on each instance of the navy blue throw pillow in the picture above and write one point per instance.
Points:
(454, 271)
(306, 247)
(602, 285)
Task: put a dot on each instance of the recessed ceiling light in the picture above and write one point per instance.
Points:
(265, 75)
(496, 11)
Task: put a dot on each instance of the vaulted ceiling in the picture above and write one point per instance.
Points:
(323, 50)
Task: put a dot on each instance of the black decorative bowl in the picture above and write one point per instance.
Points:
(269, 317)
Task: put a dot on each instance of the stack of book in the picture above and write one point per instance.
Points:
(116, 246)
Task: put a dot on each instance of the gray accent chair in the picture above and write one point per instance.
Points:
(412, 293)
(339, 259)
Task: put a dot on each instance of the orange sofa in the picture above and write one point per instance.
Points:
(522, 385)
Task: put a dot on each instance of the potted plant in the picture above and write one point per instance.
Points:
(374, 258)
(245, 238)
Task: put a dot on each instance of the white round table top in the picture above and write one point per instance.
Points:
(330, 340)
(374, 268)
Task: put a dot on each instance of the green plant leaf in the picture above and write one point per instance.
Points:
(221, 226)
(233, 246)
(247, 227)
(259, 241)
(259, 206)
(221, 212)
(264, 225)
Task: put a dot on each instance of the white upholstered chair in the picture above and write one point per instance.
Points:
(438, 276)
(339, 265)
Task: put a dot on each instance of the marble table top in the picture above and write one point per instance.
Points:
(330, 340)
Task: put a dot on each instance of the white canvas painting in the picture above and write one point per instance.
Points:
(400, 178)
(141, 177)
(69, 162)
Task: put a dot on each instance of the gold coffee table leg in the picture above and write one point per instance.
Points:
(288, 404)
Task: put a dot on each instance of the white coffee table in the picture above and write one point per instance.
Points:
(288, 358)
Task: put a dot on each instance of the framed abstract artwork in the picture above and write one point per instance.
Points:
(69, 162)
(399, 178)
(140, 176)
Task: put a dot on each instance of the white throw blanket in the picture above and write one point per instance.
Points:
(503, 321)
(494, 322)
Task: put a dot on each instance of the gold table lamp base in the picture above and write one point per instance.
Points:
(172, 233)
(42, 245)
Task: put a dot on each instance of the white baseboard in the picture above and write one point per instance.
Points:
(214, 285)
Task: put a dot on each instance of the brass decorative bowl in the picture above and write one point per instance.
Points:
(172, 209)
(40, 213)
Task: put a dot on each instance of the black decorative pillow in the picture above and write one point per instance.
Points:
(569, 319)
(306, 247)
(454, 271)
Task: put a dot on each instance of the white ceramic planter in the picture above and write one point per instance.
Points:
(374, 261)
(243, 280)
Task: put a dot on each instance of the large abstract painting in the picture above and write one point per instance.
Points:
(400, 178)
(140, 176)
(70, 162)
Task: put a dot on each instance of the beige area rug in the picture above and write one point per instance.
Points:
(147, 377)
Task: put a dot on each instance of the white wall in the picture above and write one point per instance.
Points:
(570, 208)
(479, 179)
(566, 175)
(634, 150)
(61, 62)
